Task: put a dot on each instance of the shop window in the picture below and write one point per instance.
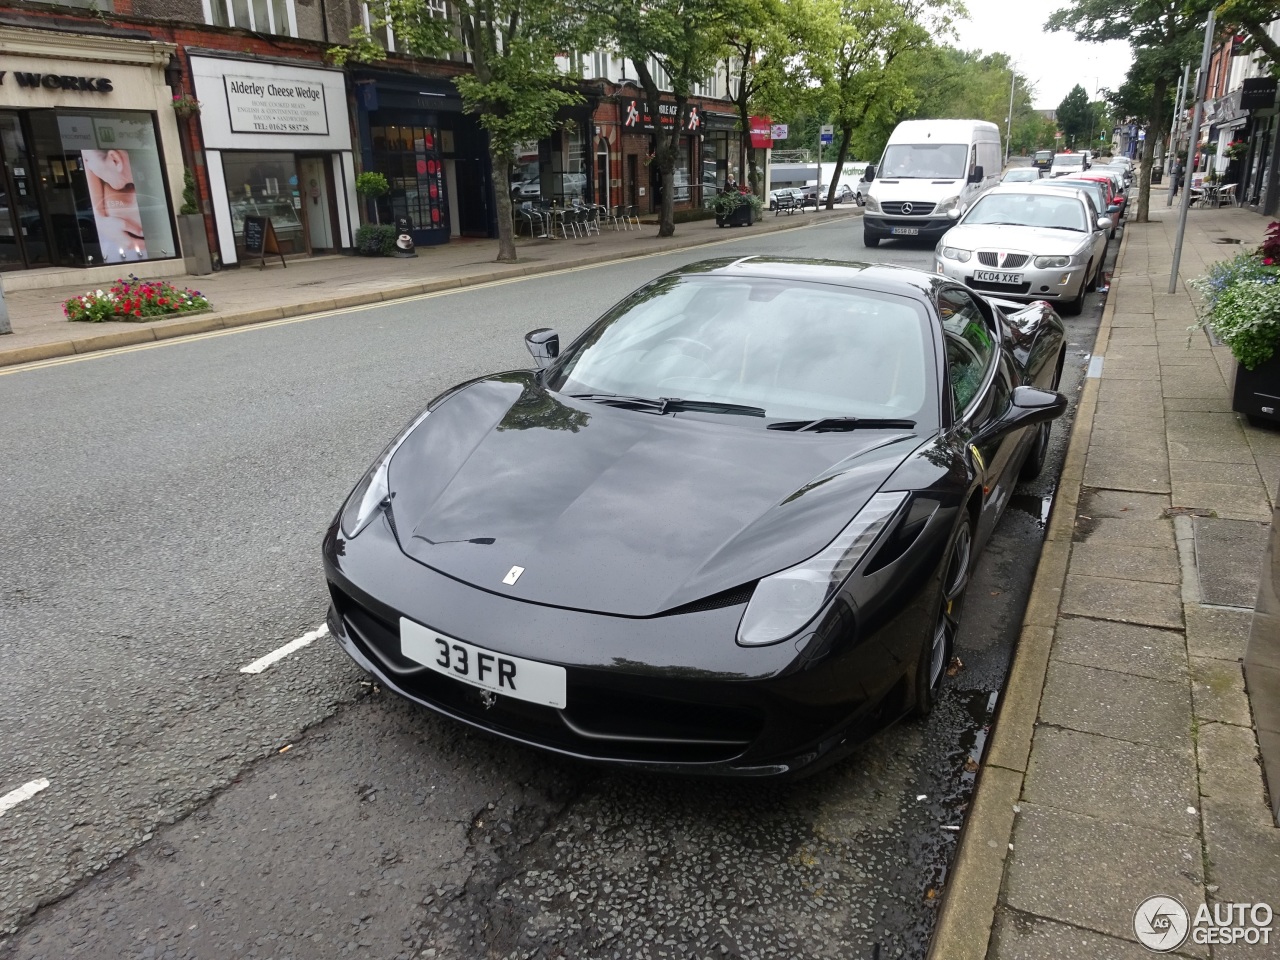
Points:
(104, 190)
(680, 176)
(409, 157)
(261, 16)
(265, 185)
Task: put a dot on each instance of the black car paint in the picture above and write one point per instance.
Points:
(657, 680)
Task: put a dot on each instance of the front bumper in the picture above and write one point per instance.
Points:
(672, 693)
(1036, 284)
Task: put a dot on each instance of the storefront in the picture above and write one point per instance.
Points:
(277, 145)
(570, 166)
(645, 191)
(721, 152)
(89, 152)
(434, 156)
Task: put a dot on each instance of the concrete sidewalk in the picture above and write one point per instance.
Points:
(243, 295)
(1124, 761)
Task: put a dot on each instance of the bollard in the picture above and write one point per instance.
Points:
(4, 311)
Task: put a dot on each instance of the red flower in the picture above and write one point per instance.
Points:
(1267, 261)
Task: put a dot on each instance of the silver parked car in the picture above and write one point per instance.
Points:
(1026, 242)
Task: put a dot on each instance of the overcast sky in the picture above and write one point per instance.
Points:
(1052, 62)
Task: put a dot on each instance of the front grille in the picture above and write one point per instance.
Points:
(601, 722)
(895, 208)
(988, 258)
(726, 598)
(1012, 288)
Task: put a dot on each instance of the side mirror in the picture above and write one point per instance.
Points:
(869, 174)
(544, 345)
(1104, 223)
(978, 174)
(1028, 406)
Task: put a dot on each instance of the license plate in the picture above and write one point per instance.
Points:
(992, 276)
(905, 231)
(529, 680)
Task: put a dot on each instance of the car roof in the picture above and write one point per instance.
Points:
(1027, 186)
(878, 277)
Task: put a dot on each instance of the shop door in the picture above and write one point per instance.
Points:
(313, 177)
(632, 200)
(473, 207)
(22, 227)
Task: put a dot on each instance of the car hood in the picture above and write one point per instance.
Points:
(620, 511)
(1039, 241)
(894, 190)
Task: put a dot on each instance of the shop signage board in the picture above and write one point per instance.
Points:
(826, 134)
(273, 105)
(636, 117)
(260, 240)
(779, 131)
(761, 132)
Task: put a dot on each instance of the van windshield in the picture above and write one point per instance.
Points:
(925, 161)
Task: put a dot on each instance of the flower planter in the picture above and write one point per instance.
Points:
(743, 215)
(1257, 392)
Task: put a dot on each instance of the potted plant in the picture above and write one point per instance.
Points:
(1236, 149)
(191, 232)
(734, 209)
(371, 186)
(186, 106)
(1242, 309)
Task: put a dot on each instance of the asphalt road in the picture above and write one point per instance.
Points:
(164, 510)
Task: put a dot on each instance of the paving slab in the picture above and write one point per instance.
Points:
(1122, 504)
(1124, 416)
(1216, 632)
(1217, 691)
(1122, 647)
(1229, 501)
(1205, 471)
(1213, 404)
(1135, 392)
(1021, 936)
(1123, 561)
(1243, 853)
(1229, 559)
(1119, 705)
(1138, 532)
(1092, 873)
(1230, 768)
(1153, 604)
(1151, 785)
(1150, 476)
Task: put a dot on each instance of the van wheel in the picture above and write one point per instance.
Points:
(870, 239)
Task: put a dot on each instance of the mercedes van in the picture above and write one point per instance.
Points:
(930, 173)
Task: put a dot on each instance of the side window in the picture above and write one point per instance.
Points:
(970, 345)
(973, 157)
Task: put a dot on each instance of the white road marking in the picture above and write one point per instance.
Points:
(24, 792)
(280, 653)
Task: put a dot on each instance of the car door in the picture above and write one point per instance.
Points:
(980, 382)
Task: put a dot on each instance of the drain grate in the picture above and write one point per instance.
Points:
(1226, 240)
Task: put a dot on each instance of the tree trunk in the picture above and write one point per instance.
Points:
(1159, 89)
(744, 150)
(501, 167)
(667, 214)
(846, 134)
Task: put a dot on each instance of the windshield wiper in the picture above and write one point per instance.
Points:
(834, 424)
(671, 404)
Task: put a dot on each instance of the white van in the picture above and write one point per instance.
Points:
(930, 173)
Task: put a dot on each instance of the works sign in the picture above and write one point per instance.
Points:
(57, 81)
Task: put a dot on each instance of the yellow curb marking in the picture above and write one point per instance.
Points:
(285, 321)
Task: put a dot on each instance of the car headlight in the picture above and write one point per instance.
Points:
(1047, 263)
(372, 490)
(785, 601)
(871, 203)
(955, 253)
(946, 206)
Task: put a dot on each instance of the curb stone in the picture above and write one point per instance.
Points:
(205, 323)
(967, 915)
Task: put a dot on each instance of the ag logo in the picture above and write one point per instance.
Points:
(1161, 923)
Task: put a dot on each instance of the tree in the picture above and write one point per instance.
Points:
(1073, 116)
(1253, 16)
(515, 88)
(1163, 34)
(686, 40)
(864, 76)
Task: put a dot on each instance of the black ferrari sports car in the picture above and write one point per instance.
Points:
(727, 531)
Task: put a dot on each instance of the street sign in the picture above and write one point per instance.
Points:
(826, 133)
(779, 131)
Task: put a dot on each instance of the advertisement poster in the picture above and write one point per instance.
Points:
(114, 200)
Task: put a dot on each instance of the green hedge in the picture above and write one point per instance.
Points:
(375, 240)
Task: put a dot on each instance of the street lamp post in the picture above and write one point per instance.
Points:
(1008, 121)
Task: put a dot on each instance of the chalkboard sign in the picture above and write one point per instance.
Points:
(260, 240)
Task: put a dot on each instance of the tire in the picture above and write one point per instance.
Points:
(859, 201)
(1075, 306)
(870, 239)
(935, 652)
(1038, 453)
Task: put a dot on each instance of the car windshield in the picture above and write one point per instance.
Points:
(1022, 175)
(1093, 187)
(929, 161)
(1029, 210)
(796, 350)
(1069, 160)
